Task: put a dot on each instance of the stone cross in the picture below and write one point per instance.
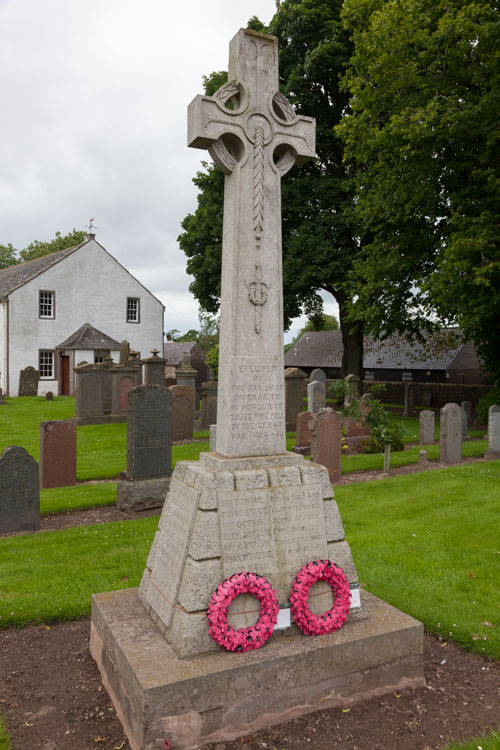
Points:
(253, 134)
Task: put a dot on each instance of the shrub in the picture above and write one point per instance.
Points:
(485, 402)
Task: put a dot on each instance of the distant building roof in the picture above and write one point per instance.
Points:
(88, 337)
(15, 276)
(173, 351)
(324, 349)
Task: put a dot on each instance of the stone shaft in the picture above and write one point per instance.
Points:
(254, 143)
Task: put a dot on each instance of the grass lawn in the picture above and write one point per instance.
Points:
(66, 499)
(50, 576)
(4, 737)
(487, 742)
(20, 420)
(429, 545)
(426, 543)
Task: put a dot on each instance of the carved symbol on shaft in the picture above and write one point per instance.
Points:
(258, 292)
(258, 184)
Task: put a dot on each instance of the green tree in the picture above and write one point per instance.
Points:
(318, 244)
(36, 249)
(422, 144)
(8, 256)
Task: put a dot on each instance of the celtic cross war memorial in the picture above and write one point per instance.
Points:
(248, 514)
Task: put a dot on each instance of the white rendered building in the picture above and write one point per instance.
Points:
(73, 305)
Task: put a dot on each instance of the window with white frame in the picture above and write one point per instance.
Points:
(133, 310)
(46, 364)
(46, 305)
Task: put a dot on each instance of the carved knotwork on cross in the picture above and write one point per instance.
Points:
(254, 135)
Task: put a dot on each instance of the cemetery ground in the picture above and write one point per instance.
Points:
(425, 542)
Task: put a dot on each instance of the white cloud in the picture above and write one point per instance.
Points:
(94, 104)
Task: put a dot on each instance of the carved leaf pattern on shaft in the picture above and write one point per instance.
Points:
(258, 184)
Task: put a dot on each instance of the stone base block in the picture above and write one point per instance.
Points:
(142, 494)
(302, 450)
(102, 419)
(490, 455)
(222, 695)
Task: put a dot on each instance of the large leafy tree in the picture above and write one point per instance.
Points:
(318, 244)
(421, 143)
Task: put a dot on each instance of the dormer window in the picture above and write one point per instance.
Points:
(133, 310)
(47, 305)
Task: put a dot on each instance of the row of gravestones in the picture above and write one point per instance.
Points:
(153, 411)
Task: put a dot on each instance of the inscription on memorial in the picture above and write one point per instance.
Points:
(257, 404)
(272, 532)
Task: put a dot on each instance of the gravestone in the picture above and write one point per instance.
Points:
(467, 420)
(107, 384)
(149, 449)
(426, 432)
(89, 394)
(2, 400)
(154, 369)
(315, 396)
(426, 398)
(182, 412)
(303, 434)
(208, 394)
(185, 374)
(124, 353)
(28, 382)
(124, 378)
(493, 450)
(387, 458)
(353, 380)
(464, 422)
(450, 441)
(356, 431)
(423, 458)
(249, 506)
(57, 453)
(19, 491)
(409, 400)
(295, 380)
(326, 441)
(318, 374)
(49, 396)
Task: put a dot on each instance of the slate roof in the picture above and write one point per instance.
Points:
(324, 349)
(15, 276)
(173, 351)
(88, 337)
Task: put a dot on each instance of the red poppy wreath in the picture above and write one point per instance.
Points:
(320, 570)
(243, 639)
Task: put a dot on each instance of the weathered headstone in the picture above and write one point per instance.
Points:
(387, 458)
(49, 396)
(493, 432)
(89, 394)
(423, 458)
(182, 412)
(2, 400)
(124, 353)
(107, 384)
(352, 380)
(409, 400)
(149, 449)
(28, 382)
(464, 422)
(315, 396)
(295, 381)
(326, 441)
(303, 434)
(186, 374)
(208, 393)
(250, 506)
(426, 432)
(467, 407)
(19, 491)
(450, 441)
(318, 374)
(124, 378)
(57, 453)
(154, 369)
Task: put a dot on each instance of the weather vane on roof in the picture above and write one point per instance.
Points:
(91, 228)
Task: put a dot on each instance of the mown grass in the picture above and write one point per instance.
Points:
(485, 742)
(429, 545)
(67, 499)
(4, 737)
(51, 576)
(20, 420)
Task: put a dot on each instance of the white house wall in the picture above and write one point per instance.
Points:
(90, 287)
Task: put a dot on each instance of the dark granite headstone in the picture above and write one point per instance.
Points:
(49, 396)
(182, 412)
(154, 369)
(149, 443)
(19, 492)
(88, 393)
(295, 381)
(2, 400)
(208, 393)
(28, 382)
(326, 441)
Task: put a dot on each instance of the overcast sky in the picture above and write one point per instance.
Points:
(93, 100)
